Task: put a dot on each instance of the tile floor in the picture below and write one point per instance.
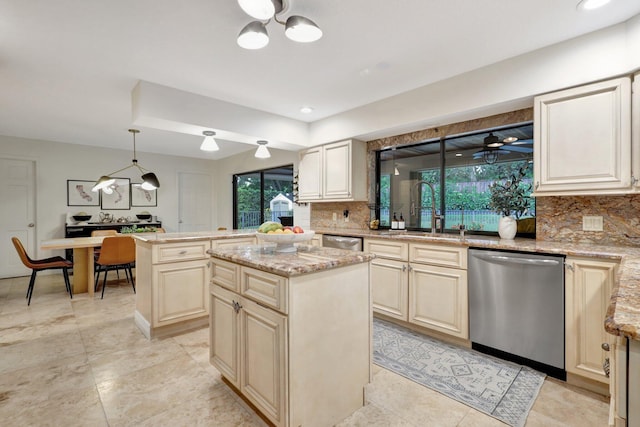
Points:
(82, 362)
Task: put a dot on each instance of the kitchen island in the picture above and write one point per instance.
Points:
(291, 333)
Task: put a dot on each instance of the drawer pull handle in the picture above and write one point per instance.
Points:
(606, 367)
(236, 306)
(182, 252)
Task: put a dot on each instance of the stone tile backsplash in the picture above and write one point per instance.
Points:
(560, 219)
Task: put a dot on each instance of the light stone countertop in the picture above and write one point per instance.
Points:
(307, 259)
(623, 314)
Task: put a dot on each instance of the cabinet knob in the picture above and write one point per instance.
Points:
(605, 346)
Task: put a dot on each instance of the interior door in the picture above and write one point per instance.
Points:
(194, 201)
(17, 213)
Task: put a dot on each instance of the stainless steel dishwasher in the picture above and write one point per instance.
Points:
(342, 242)
(516, 308)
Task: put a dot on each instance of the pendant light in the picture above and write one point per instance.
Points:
(262, 152)
(254, 34)
(209, 144)
(149, 179)
(396, 172)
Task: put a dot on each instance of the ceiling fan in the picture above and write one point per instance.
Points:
(494, 147)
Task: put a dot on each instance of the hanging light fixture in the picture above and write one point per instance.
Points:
(149, 179)
(209, 144)
(396, 172)
(254, 34)
(262, 152)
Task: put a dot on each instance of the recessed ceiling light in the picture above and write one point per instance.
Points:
(591, 4)
(306, 110)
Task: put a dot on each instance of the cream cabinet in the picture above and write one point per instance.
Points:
(229, 243)
(423, 284)
(172, 286)
(298, 348)
(333, 172)
(588, 285)
(582, 140)
(438, 295)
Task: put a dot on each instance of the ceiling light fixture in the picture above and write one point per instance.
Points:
(492, 141)
(254, 34)
(306, 110)
(209, 144)
(149, 179)
(591, 4)
(262, 152)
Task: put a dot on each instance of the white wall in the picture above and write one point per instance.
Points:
(57, 162)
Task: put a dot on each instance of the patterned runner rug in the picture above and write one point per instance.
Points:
(499, 388)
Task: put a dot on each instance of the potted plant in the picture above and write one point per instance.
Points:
(511, 199)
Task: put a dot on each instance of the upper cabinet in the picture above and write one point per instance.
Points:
(333, 172)
(582, 140)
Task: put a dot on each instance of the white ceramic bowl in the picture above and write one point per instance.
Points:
(284, 242)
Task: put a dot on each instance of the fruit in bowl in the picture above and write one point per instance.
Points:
(283, 237)
(270, 227)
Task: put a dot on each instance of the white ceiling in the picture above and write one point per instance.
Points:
(67, 67)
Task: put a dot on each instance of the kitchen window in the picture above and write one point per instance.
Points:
(454, 173)
(263, 195)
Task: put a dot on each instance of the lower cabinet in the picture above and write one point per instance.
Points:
(588, 285)
(438, 299)
(297, 348)
(390, 287)
(171, 286)
(248, 338)
(423, 284)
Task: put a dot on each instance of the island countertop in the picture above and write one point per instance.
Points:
(307, 259)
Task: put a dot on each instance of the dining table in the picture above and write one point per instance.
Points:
(83, 259)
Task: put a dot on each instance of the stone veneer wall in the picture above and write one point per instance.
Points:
(560, 219)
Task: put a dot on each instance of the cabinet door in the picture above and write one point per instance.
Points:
(337, 170)
(582, 139)
(438, 299)
(389, 287)
(263, 347)
(224, 338)
(587, 293)
(310, 175)
(180, 292)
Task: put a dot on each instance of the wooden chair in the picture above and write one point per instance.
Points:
(42, 264)
(117, 252)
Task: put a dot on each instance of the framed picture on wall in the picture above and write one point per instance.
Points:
(142, 197)
(117, 196)
(79, 193)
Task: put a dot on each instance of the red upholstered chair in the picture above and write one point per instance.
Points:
(42, 264)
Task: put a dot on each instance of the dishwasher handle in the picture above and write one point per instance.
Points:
(505, 259)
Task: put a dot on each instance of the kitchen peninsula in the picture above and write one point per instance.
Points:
(291, 332)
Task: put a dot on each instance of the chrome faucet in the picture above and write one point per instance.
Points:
(434, 216)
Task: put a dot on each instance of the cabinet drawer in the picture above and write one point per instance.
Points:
(266, 288)
(171, 252)
(387, 249)
(225, 274)
(231, 243)
(443, 255)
